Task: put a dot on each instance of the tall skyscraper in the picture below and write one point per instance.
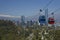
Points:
(22, 20)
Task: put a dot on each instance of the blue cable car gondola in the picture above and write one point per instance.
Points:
(42, 19)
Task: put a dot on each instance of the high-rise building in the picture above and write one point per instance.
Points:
(22, 20)
(29, 23)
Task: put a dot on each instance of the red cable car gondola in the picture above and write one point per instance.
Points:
(51, 20)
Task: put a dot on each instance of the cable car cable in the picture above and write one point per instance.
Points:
(48, 4)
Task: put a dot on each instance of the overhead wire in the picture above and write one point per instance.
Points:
(48, 4)
(57, 10)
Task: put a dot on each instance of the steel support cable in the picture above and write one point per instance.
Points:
(48, 4)
(56, 10)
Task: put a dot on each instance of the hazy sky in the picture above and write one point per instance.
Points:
(26, 7)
